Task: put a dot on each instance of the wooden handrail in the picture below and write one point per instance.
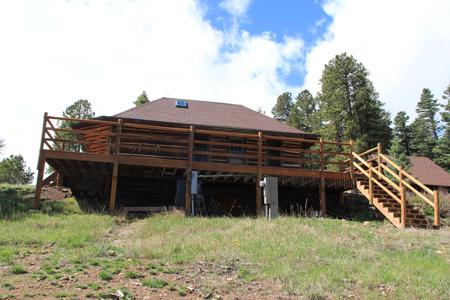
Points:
(412, 178)
(405, 180)
(368, 151)
(378, 173)
(90, 121)
(395, 197)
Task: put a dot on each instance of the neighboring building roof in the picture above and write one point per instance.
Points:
(428, 172)
(207, 113)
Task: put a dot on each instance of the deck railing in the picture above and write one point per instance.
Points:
(230, 147)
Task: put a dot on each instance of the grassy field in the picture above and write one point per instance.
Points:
(62, 253)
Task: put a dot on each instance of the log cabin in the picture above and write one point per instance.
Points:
(146, 158)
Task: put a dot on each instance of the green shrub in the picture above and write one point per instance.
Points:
(105, 275)
(17, 269)
(154, 283)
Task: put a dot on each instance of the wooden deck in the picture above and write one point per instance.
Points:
(130, 143)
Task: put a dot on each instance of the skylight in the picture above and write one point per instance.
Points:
(181, 103)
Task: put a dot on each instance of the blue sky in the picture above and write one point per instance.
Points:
(237, 51)
(304, 19)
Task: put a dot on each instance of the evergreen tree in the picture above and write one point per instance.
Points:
(283, 107)
(349, 108)
(80, 109)
(142, 99)
(2, 145)
(302, 112)
(442, 151)
(398, 154)
(13, 170)
(402, 132)
(422, 140)
(426, 109)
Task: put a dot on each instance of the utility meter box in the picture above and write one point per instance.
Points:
(194, 183)
(270, 185)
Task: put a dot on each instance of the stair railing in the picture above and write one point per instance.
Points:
(410, 182)
(370, 171)
(405, 181)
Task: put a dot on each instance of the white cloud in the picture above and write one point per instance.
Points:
(404, 44)
(55, 52)
(236, 8)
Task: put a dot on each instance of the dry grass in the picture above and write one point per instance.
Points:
(310, 257)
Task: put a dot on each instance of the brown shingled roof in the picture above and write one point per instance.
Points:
(207, 113)
(428, 172)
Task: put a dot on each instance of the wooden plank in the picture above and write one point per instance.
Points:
(153, 127)
(258, 175)
(224, 167)
(226, 133)
(105, 158)
(277, 171)
(225, 144)
(188, 192)
(112, 195)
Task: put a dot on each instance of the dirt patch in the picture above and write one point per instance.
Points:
(118, 277)
(55, 193)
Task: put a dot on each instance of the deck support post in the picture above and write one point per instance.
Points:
(436, 208)
(259, 176)
(352, 168)
(370, 184)
(112, 194)
(40, 167)
(402, 201)
(40, 177)
(322, 191)
(188, 194)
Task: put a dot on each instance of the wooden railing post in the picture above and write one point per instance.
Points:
(188, 192)
(403, 200)
(259, 175)
(352, 168)
(322, 191)
(370, 184)
(40, 166)
(113, 192)
(379, 157)
(436, 208)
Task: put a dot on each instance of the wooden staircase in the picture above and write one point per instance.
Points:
(389, 188)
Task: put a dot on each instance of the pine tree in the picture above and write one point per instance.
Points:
(442, 150)
(283, 107)
(142, 99)
(424, 128)
(427, 108)
(302, 112)
(422, 140)
(349, 108)
(402, 132)
(398, 154)
(80, 109)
